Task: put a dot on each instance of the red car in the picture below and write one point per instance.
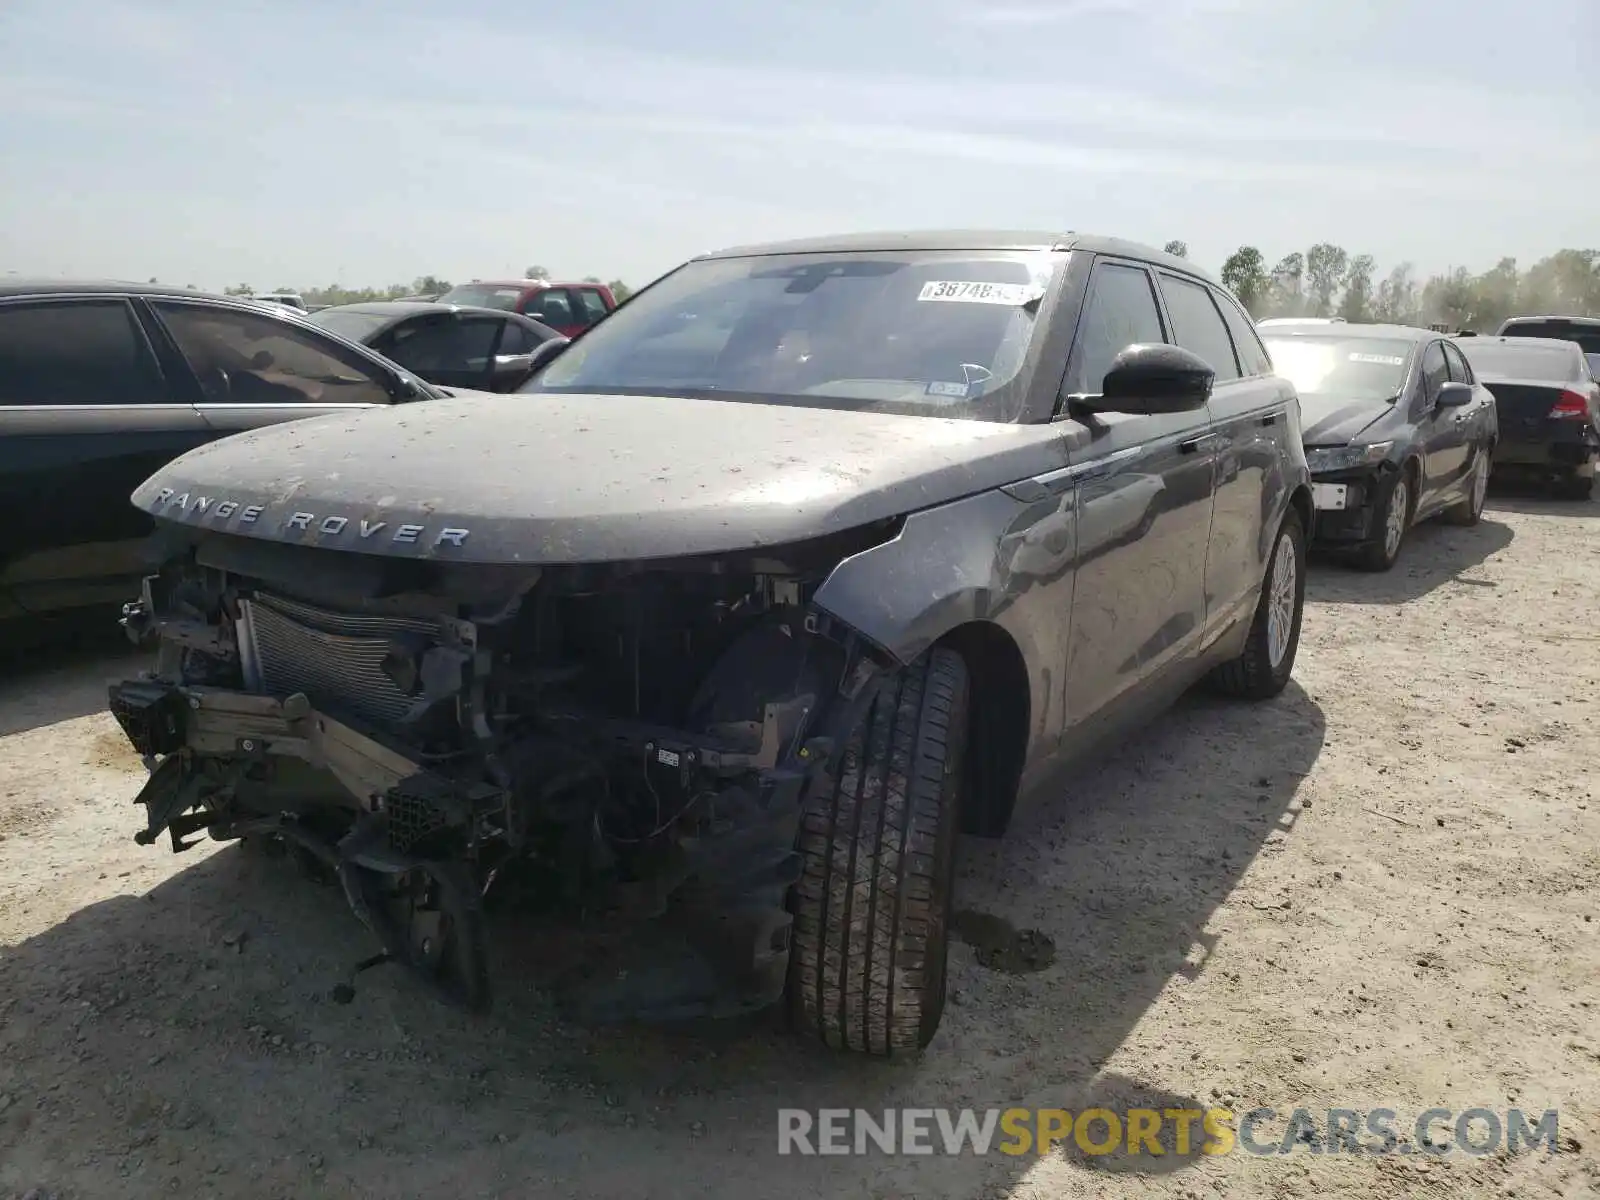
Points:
(568, 308)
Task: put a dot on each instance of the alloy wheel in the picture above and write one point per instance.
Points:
(1394, 520)
(1280, 601)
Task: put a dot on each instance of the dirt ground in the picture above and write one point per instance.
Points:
(1376, 892)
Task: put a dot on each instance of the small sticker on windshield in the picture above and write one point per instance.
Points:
(978, 293)
(957, 391)
(1382, 360)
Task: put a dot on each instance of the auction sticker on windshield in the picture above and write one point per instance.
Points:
(1382, 360)
(978, 293)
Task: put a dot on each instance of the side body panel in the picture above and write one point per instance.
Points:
(66, 471)
(1256, 421)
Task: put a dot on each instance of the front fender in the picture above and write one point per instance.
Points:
(989, 558)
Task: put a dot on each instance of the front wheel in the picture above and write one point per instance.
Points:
(1263, 669)
(872, 905)
(1393, 518)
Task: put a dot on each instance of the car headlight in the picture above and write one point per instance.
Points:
(1344, 458)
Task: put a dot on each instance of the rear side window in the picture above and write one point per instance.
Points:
(252, 358)
(553, 306)
(1121, 311)
(1197, 325)
(1460, 372)
(1435, 371)
(593, 306)
(516, 340)
(75, 352)
(1253, 357)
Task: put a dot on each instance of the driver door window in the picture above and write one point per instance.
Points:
(1435, 372)
(246, 358)
(1120, 311)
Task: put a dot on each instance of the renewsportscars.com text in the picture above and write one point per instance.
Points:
(1164, 1131)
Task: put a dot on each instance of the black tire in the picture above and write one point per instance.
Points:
(872, 905)
(1254, 675)
(1470, 511)
(1375, 554)
(1574, 487)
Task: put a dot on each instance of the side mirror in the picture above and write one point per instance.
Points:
(1453, 395)
(508, 370)
(546, 353)
(1154, 378)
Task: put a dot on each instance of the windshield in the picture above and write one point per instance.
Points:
(349, 323)
(937, 333)
(1349, 368)
(484, 295)
(1594, 364)
(1556, 361)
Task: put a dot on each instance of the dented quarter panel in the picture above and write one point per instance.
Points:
(543, 479)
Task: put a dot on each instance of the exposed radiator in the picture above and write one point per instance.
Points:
(335, 658)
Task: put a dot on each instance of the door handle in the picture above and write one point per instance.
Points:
(1196, 443)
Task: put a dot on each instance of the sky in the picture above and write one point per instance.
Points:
(307, 142)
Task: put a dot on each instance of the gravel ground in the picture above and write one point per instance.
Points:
(1376, 892)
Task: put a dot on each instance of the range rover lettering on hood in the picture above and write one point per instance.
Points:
(169, 503)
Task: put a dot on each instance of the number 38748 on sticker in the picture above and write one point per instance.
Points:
(977, 293)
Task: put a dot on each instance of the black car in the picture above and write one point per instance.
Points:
(1549, 409)
(102, 383)
(453, 345)
(1397, 429)
(809, 557)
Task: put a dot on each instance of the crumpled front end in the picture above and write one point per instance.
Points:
(627, 745)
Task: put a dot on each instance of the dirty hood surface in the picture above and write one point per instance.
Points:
(547, 478)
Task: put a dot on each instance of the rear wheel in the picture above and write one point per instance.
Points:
(1263, 670)
(1470, 510)
(1393, 518)
(872, 906)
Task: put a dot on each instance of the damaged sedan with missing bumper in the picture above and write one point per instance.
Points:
(713, 642)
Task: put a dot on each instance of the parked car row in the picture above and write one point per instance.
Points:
(748, 601)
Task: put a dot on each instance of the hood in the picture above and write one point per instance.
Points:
(1335, 421)
(549, 478)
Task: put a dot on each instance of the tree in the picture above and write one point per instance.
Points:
(1396, 301)
(619, 290)
(593, 279)
(1242, 275)
(1181, 249)
(536, 273)
(429, 285)
(1357, 302)
(243, 289)
(1325, 268)
(1287, 283)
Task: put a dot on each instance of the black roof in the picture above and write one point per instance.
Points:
(11, 286)
(964, 239)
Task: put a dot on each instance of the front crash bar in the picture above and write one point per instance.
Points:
(220, 723)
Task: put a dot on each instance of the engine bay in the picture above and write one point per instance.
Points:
(611, 744)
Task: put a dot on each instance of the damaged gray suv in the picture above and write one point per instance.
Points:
(807, 560)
